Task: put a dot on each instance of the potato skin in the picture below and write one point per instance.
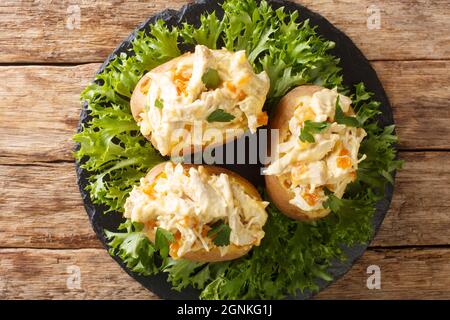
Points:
(278, 192)
(213, 255)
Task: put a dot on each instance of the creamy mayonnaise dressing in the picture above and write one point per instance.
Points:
(186, 100)
(331, 161)
(188, 202)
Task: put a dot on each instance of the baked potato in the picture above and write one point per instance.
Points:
(193, 202)
(315, 155)
(198, 100)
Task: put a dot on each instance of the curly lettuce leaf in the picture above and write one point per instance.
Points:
(206, 34)
(133, 247)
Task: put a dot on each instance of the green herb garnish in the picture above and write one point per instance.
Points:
(220, 233)
(332, 202)
(309, 128)
(211, 78)
(162, 240)
(219, 115)
(341, 118)
(159, 103)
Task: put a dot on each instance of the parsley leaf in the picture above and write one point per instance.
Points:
(159, 103)
(162, 240)
(220, 233)
(341, 118)
(332, 202)
(219, 115)
(211, 78)
(309, 128)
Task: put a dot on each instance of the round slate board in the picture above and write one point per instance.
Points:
(355, 67)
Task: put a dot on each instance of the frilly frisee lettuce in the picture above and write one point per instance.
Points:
(292, 255)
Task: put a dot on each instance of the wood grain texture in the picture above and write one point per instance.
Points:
(45, 274)
(40, 107)
(45, 30)
(52, 274)
(48, 31)
(420, 212)
(405, 274)
(41, 206)
(419, 92)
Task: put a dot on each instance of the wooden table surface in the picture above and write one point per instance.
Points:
(47, 58)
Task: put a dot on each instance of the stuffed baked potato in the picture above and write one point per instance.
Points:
(178, 103)
(193, 202)
(317, 151)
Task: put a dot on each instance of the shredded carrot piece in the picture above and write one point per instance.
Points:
(230, 86)
(262, 118)
(310, 198)
(162, 175)
(205, 231)
(149, 190)
(344, 152)
(241, 95)
(190, 221)
(181, 81)
(174, 246)
(344, 162)
(151, 224)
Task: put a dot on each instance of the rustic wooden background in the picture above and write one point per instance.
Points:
(44, 65)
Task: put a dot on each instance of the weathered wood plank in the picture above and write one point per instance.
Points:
(48, 31)
(51, 274)
(405, 26)
(405, 274)
(68, 31)
(41, 207)
(419, 213)
(40, 110)
(420, 97)
(40, 107)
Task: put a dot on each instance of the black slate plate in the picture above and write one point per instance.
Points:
(356, 68)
